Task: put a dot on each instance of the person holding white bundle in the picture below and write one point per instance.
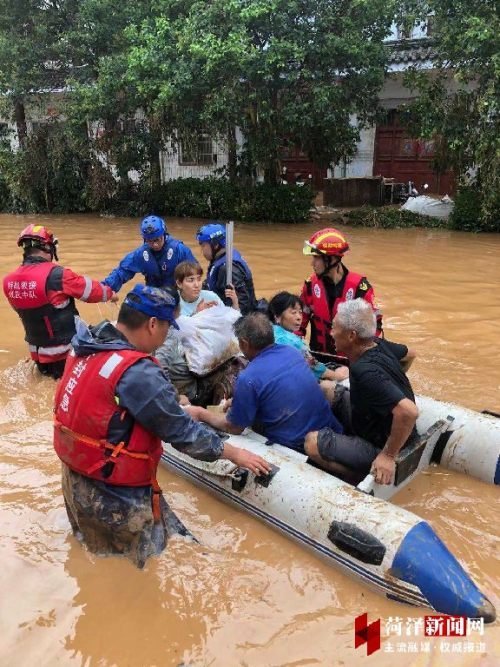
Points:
(193, 299)
(202, 359)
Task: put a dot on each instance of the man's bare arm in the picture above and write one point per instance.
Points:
(215, 419)
(407, 361)
(404, 416)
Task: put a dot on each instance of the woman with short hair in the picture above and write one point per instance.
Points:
(193, 299)
(285, 312)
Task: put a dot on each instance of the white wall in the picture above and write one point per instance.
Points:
(393, 92)
(362, 163)
(171, 169)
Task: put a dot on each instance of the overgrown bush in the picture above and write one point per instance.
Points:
(388, 217)
(214, 198)
(468, 214)
(4, 195)
(205, 198)
(276, 203)
(48, 175)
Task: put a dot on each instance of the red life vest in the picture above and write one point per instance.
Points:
(84, 405)
(44, 324)
(316, 304)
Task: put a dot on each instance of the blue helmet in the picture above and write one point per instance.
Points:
(152, 227)
(213, 233)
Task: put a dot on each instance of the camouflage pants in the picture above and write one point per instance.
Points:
(117, 520)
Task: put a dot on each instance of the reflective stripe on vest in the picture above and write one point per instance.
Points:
(47, 355)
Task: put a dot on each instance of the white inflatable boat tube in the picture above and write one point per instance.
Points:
(391, 550)
(472, 443)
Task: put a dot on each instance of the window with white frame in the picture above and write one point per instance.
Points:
(197, 149)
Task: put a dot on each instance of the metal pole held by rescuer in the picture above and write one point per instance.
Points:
(229, 257)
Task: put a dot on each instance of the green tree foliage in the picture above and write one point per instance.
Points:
(284, 71)
(31, 33)
(106, 101)
(460, 104)
(45, 170)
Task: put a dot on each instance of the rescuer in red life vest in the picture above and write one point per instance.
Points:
(113, 407)
(43, 295)
(331, 284)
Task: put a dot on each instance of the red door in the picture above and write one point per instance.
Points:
(405, 159)
(298, 167)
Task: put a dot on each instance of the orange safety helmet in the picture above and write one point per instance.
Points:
(329, 242)
(38, 236)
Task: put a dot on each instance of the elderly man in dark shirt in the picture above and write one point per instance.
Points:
(382, 403)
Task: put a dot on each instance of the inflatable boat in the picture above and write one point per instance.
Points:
(358, 529)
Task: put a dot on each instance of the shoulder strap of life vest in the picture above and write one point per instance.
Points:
(351, 283)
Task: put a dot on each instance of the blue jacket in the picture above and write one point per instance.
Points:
(242, 280)
(148, 396)
(156, 267)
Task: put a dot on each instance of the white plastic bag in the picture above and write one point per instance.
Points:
(208, 338)
(435, 208)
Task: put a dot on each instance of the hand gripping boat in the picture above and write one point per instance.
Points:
(390, 549)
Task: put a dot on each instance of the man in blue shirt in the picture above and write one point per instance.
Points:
(276, 393)
(156, 259)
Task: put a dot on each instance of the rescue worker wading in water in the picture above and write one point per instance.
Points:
(113, 407)
(43, 295)
(156, 258)
(331, 284)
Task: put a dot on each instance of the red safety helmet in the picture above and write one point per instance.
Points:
(329, 242)
(38, 236)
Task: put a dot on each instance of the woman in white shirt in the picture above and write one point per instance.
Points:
(193, 299)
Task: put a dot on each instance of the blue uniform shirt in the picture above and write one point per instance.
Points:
(278, 391)
(156, 267)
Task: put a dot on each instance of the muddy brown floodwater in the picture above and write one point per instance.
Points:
(245, 595)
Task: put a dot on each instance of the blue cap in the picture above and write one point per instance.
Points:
(154, 302)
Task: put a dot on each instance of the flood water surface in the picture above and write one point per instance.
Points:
(244, 595)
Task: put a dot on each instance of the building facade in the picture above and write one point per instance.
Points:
(386, 149)
(383, 150)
